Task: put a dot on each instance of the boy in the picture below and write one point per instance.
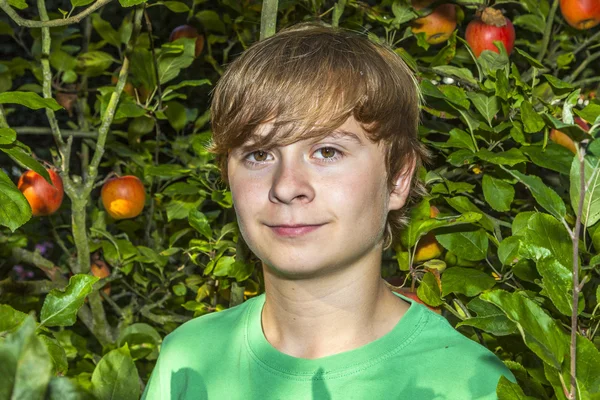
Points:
(316, 129)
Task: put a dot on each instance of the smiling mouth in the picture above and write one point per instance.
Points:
(293, 230)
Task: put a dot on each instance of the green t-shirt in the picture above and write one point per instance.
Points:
(225, 355)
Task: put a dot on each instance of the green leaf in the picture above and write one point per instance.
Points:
(199, 222)
(7, 136)
(489, 318)
(419, 228)
(532, 61)
(507, 390)
(402, 12)
(590, 113)
(6, 29)
(588, 365)
(105, 30)
(574, 131)
(429, 291)
(198, 82)
(63, 61)
(460, 73)
(61, 306)
(94, 63)
(131, 3)
(20, 4)
(176, 115)
(470, 245)
(532, 121)
(26, 161)
(557, 83)
(544, 195)
(211, 21)
(540, 332)
(81, 3)
(62, 388)
(554, 157)
(167, 171)
(116, 377)
(169, 67)
(510, 157)
(488, 106)
(464, 205)
(141, 338)
(224, 266)
(490, 61)
(30, 100)
(591, 202)
(546, 232)
(558, 284)
(25, 365)
(57, 354)
(531, 22)
(15, 210)
(11, 319)
(461, 139)
(467, 281)
(175, 6)
(497, 193)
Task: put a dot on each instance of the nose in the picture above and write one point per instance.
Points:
(291, 182)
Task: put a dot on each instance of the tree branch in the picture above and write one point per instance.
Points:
(268, 18)
(109, 114)
(36, 259)
(50, 23)
(34, 130)
(28, 287)
(576, 287)
(547, 31)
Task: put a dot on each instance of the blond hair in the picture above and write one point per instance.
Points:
(306, 81)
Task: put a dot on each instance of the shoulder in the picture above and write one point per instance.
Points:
(446, 352)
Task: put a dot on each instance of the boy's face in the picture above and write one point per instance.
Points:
(314, 206)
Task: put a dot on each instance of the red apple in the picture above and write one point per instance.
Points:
(44, 199)
(581, 14)
(437, 26)
(123, 197)
(493, 26)
(187, 31)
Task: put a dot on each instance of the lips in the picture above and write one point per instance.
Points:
(294, 230)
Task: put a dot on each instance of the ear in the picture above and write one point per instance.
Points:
(401, 189)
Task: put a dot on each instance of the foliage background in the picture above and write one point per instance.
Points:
(510, 221)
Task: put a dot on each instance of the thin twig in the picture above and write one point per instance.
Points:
(587, 42)
(50, 23)
(582, 67)
(547, 31)
(34, 130)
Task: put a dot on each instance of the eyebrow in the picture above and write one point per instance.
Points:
(343, 134)
(336, 134)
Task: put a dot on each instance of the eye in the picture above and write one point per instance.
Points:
(327, 153)
(258, 156)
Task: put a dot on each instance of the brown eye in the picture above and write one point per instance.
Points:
(260, 155)
(327, 152)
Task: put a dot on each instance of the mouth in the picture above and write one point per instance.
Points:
(294, 230)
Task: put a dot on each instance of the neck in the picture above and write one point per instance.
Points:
(314, 318)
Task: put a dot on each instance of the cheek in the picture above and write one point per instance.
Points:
(364, 192)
